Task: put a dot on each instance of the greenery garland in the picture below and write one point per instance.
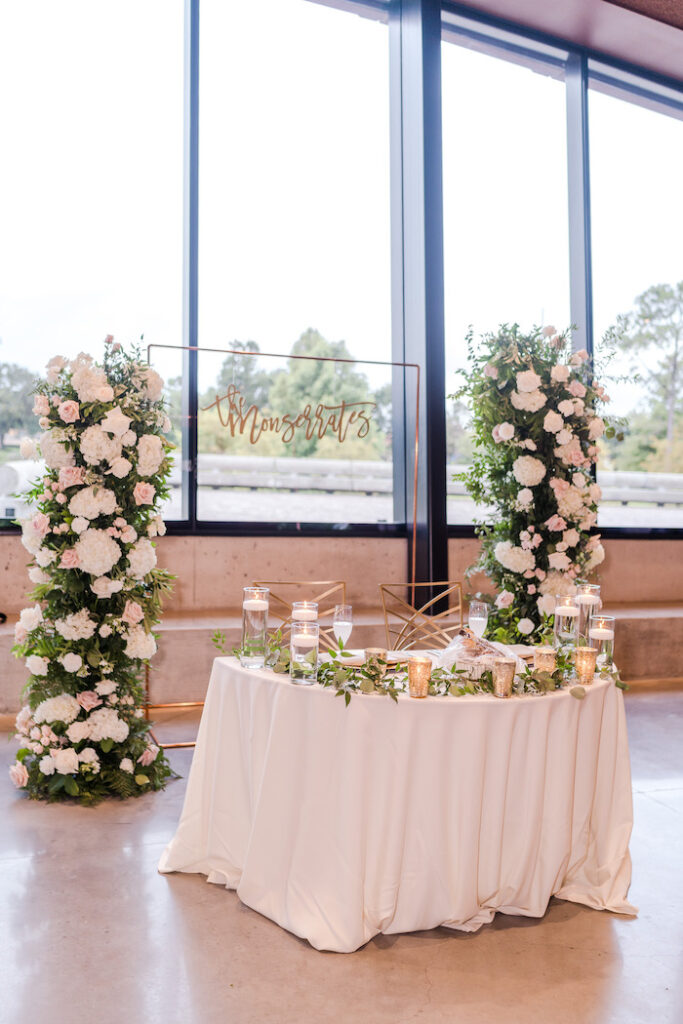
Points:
(537, 427)
(97, 589)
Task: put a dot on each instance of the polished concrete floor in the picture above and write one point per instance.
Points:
(89, 932)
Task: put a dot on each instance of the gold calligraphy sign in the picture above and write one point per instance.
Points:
(312, 421)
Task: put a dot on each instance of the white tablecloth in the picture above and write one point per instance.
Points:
(339, 823)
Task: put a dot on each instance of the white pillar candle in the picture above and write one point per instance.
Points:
(304, 640)
(255, 604)
(601, 634)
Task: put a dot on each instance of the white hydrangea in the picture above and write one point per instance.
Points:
(79, 524)
(570, 505)
(31, 538)
(97, 552)
(142, 558)
(528, 402)
(115, 422)
(152, 383)
(91, 502)
(514, 558)
(90, 383)
(528, 471)
(77, 626)
(140, 644)
(525, 499)
(97, 446)
(29, 618)
(78, 731)
(528, 381)
(546, 604)
(54, 453)
(105, 687)
(120, 467)
(105, 724)
(557, 583)
(150, 454)
(62, 708)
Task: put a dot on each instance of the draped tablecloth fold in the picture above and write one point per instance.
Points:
(340, 823)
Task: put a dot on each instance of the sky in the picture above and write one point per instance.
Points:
(294, 183)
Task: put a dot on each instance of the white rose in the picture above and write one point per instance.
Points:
(97, 552)
(525, 626)
(525, 498)
(27, 448)
(105, 630)
(528, 470)
(597, 556)
(36, 575)
(126, 765)
(89, 756)
(104, 587)
(54, 453)
(560, 373)
(115, 422)
(553, 422)
(546, 604)
(527, 380)
(79, 524)
(558, 560)
(66, 761)
(45, 556)
(152, 384)
(596, 428)
(129, 438)
(71, 662)
(528, 402)
(54, 368)
(78, 731)
(47, 765)
(36, 665)
(31, 538)
(29, 618)
(105, 687)
(578, 479)
(151, 454)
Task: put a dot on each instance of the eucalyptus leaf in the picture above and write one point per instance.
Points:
(578, 692)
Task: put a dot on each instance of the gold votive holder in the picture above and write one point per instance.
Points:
(377, 658)
(584, 664)
(545, 659)
(419, 675)
(503, 676)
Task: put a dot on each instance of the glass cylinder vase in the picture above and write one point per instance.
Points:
(566, 628)
(254, 624)
(303, 652)
(601, 635)
(588, 602)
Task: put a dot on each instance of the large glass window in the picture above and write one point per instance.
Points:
(90, 191)
(505, 209)
(636, 153)
(294, 259)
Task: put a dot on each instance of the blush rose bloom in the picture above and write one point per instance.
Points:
(132, 613)
(144, 493)
(148, 756)
(71, 476)
(576, 389)
(41, 524)
(88, 699)
(41, 405)
(18, 773)
(504, 599)
(69, 411)
(69, 559)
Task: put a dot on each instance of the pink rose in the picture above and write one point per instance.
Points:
(69, 411)
(538, 540)
(144, 493)
(540, 574)
(113, 532)
(132, 613)
(128, 534)
(61, 498)
(504, 599)
(556, 524)
(71, 476)
(529, 574)
(20, 633)
(108, 340)
(88, 699)
(18, 774)
(576, 389)
(559, 486)
(41, 405)
(69, 559)
(531, 589)
(148, 756)
(41, 524)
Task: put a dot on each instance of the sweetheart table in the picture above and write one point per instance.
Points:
(343, 822)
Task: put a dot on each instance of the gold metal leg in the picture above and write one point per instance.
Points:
(170, 704)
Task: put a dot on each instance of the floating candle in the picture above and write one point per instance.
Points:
(304, 639)
(597, 633)
(587, 599)
(305, 615)
(569, 610)
(255, 604)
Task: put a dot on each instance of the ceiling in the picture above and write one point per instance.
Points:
(648, 34)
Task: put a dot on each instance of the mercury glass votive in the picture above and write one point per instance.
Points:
(584, 664)
(375, 656)
(503, 676)
(545, 659)
(419, 675)
(566, 628)
(588, 601)
(601, 635)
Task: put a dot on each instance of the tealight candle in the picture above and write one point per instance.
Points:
(419, 674)
(584, 663)
(545, 659)
(503, 676)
